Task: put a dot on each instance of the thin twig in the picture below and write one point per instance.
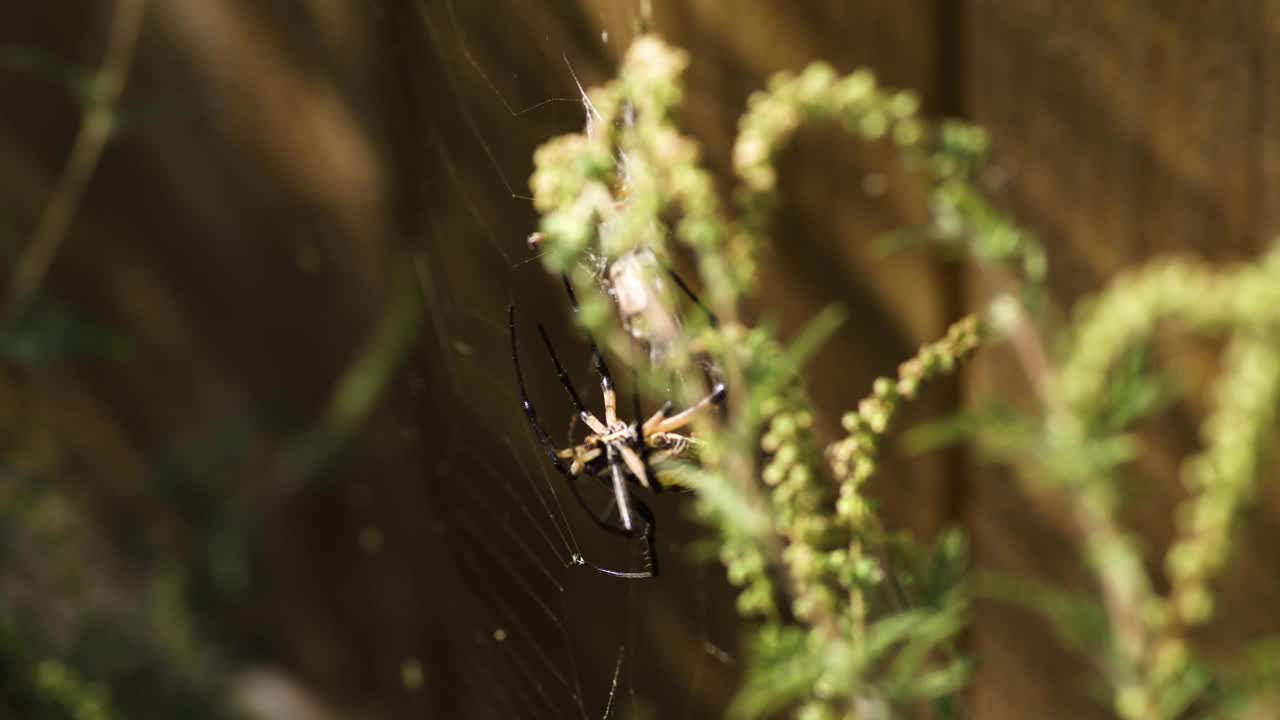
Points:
(1027, 344)
(91, 139)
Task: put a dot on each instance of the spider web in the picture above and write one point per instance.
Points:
(528, 630)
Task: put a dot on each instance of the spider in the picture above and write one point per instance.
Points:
(615, 450)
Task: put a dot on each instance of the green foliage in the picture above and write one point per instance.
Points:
(43, 690)
(796, 534)
(67, 654)
(848, 620)
(73, 642)
(362, 386)
(1159, 677)
(855, 622)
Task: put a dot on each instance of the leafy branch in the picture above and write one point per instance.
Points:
(793, 529)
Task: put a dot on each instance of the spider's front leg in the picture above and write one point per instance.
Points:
(531, 412)
(662, 422)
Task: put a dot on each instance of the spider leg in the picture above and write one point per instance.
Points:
(649, 533)
(664, 423)
(657, 417)
(620, 494)
(588, 418)
(545, 440)
(650, 550)
(600, 520)
(711, 317)
(530, 411)
(650, 537)
(709, 370)
(602, 368)
(640, 440)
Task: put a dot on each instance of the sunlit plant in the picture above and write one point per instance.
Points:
(839, 631)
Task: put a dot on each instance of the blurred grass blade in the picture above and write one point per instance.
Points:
(361, 387)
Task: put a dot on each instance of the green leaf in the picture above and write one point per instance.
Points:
(803, 347)
(718, 498)
(885, 634)
(1188, 687)
(927, 638)
(1133, 392)
(963, 427)
(782, 668)
(1251, 677)
(944, 681)
(1078, 620)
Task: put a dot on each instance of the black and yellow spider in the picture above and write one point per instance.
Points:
(615, 450)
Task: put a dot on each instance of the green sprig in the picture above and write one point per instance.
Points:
(787, 532)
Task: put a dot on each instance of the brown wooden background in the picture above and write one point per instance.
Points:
(249, 242)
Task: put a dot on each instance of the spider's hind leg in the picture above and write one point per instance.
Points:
(648, 531)
(650, 534)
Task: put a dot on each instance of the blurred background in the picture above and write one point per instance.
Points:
(263, 450)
